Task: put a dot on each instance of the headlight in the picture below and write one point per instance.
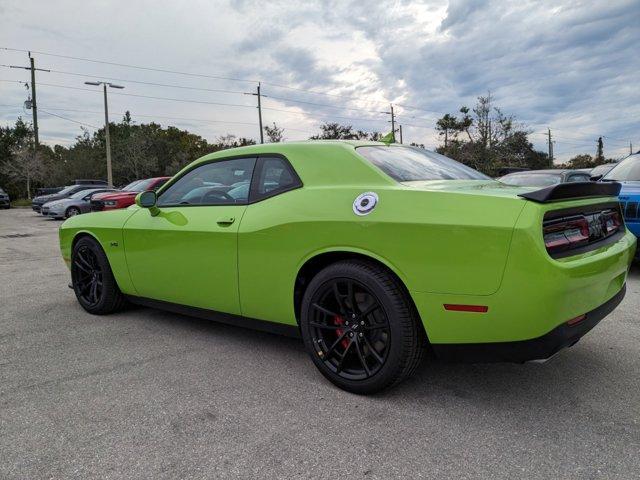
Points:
(110, 203)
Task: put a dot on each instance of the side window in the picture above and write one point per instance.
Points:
(275, 176)
(225, 182)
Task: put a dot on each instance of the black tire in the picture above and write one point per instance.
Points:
(380, 347)
(72, 212)
(92, 279)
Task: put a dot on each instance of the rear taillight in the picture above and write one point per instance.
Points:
(567, 230)
(566, 233)
(612, 221)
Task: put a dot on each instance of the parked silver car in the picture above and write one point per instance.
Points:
(76, 204)
(5, 201)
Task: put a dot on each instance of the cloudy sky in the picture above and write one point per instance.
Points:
(569, 65)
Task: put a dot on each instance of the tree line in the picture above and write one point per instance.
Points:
(482, 137)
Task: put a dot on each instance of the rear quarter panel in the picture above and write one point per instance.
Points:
(434, 241)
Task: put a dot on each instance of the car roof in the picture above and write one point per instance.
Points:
(304, 157)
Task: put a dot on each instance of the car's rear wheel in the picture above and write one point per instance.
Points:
(360, 327)
(92, 279)
(72, 212)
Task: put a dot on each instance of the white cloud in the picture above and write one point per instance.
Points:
(569, 65)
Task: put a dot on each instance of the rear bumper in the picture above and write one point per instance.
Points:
(538, 348)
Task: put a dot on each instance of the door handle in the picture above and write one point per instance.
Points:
(226, 221)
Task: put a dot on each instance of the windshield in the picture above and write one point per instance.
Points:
(82, 193)
(601, 169)
(140, 185)
(65, 190)
(531, 180)
(132, 186)
(408, 164)
(627, 170)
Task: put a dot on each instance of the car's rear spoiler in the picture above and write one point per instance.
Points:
(566, 191)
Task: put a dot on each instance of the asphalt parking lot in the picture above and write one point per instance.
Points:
(148, 394)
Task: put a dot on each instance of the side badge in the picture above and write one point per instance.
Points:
(365, 203)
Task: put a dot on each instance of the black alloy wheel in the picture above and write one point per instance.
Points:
(360, 327)
(349, 328)
(88, 276)
(92, 279)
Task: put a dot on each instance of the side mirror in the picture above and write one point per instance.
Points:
(148, 200)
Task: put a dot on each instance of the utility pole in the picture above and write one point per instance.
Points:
(259, 111)
(550, 147)
(33, 99)
(393, 121)
(34, 104)
(400, 129)
(600, 151)
(630, 148)
(106, 126)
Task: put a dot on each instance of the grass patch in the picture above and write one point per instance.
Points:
(21, 202)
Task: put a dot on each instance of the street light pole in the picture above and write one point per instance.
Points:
(106, 134)
(106, 126)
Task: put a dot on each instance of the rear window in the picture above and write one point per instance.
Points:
(627, 170)
(409, 164)
(534, 180)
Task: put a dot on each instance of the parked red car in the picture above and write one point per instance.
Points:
(126, 196)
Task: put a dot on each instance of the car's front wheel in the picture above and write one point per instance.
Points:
(92, 279)
(72, 212)
(360, 327)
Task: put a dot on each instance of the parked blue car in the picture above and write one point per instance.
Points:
(627, 172)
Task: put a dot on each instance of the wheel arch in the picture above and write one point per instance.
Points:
(81, 234)
(317, 261)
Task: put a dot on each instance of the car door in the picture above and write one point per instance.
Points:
(187, 253)
(265, 258)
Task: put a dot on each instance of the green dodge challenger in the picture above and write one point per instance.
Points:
(372, 253)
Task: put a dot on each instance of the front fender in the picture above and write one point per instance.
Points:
(106, 229)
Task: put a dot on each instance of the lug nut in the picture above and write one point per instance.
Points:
(351, 334)
(362, 322)
(360, 334)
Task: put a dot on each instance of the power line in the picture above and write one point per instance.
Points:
(245, 80)
(144, 96)
(140, 82)
(152, 69)
(164, 116)
(190, 74)
(69, 119)
(213, 90)
(321, 104)
(214, 103)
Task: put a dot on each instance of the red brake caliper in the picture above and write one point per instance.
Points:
(340, 321)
